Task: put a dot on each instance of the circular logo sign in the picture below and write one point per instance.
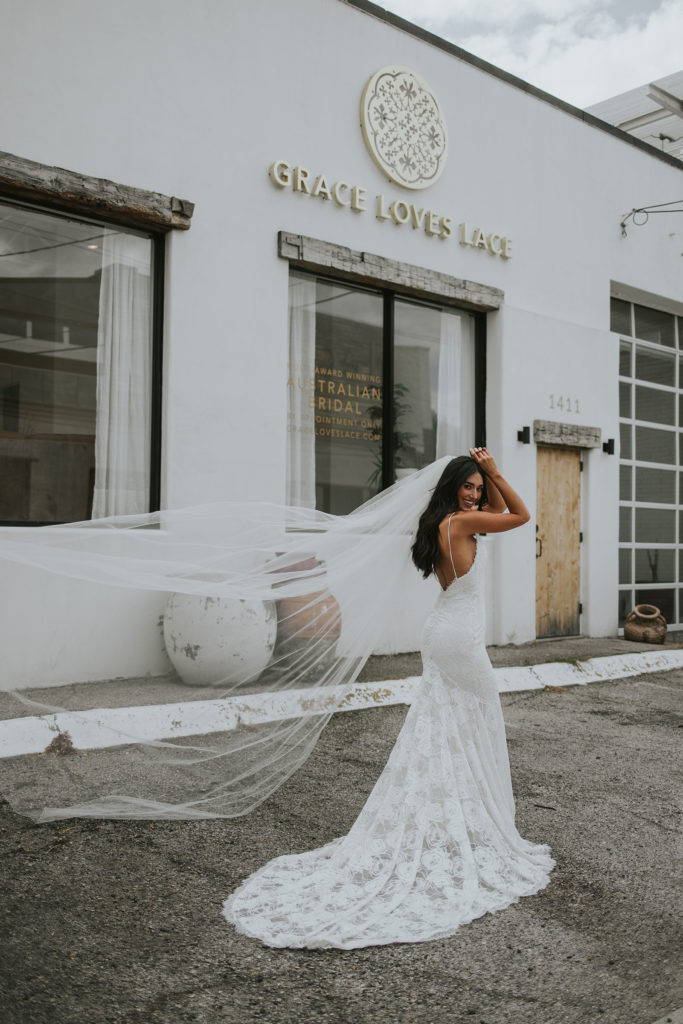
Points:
(403, 127)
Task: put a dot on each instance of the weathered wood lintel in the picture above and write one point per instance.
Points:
(368, 268)
(81, 193)
(572, 435)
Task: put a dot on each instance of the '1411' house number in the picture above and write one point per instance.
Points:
(565, 403)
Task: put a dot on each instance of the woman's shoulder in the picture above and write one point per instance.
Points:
(450, 516)
(455, 521)
(453, 524)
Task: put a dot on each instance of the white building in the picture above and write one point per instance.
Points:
(652, 112)
(163, 351)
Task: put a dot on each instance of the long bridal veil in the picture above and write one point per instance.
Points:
(278, 606)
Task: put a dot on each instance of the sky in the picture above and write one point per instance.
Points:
(582, 51)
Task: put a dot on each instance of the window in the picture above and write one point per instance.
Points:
(347, 345)
(654, 325)
(76, 380)
(651, 490)
(620, 316)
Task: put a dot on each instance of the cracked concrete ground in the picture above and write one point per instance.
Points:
(120, 921)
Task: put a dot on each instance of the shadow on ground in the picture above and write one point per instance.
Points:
(120, 922)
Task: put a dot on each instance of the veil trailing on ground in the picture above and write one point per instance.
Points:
(270, 613)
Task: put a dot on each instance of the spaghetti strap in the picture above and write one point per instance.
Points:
(450, 550)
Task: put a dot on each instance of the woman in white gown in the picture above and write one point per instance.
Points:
(435, 845)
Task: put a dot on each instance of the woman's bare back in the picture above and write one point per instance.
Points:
(457, 552)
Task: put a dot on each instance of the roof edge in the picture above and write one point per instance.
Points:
(375, 11)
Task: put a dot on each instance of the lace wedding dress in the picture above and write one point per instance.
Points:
(435, 845)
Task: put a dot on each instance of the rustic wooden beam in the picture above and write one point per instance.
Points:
(570, 434)
(368, 268)
(81, 193)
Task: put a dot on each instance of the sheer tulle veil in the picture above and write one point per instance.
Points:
(316, 592)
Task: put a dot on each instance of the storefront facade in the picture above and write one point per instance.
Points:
(331, 305)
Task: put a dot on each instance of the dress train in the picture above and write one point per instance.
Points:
(435, 845)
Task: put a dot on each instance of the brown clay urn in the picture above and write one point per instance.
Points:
(645, 625)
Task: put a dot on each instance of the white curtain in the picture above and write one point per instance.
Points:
(124, 370)
(301, 418)
(455, 386)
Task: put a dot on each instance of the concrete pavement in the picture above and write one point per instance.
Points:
(120, 922)
(98, 715)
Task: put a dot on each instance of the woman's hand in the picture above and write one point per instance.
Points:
(485, 460)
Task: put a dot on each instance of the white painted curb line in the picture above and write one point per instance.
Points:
(106, 727)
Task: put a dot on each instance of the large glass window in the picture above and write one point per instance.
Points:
(650, 392)
(75, 368)
(434, 384)
(347, 345)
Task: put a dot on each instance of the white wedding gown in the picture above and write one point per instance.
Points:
(435, 845)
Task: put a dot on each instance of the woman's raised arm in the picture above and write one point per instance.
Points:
(492, 522)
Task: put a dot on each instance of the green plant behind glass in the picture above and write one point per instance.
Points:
(405, 454)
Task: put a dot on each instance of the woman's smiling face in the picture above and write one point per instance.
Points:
(469, 493)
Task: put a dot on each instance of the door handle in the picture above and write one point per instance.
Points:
(539, 543)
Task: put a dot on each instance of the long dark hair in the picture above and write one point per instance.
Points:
(444, 499)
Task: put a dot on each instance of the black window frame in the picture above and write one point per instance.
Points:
(389, 297)
(157, 285)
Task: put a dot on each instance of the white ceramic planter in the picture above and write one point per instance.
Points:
(215, 641)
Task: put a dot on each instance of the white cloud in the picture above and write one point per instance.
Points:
(576, 50)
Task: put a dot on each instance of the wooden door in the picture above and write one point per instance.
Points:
(557, 542)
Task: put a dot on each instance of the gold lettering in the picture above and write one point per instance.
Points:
(478, 240)
(506, 252)
(446, 227)
(380, 212)
(300, 182)
(492, 245)
(417, 216)
(358, 195)
(279, 172)
(431, 227)
(462, 234)
(336, 193)
(399, 211)
(320, 188)
(300, 382)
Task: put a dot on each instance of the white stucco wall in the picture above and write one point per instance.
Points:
(197, 103)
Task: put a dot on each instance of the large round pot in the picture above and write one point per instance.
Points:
(308, 617)
(645, 625)
(219, 641)
(308, 628)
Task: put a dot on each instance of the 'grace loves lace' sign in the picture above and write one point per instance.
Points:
(345, 195)
(405, 133)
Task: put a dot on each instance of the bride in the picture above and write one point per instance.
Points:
(435, 845)
(283, 597)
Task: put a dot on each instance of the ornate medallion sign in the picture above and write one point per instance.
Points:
(403, 127)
